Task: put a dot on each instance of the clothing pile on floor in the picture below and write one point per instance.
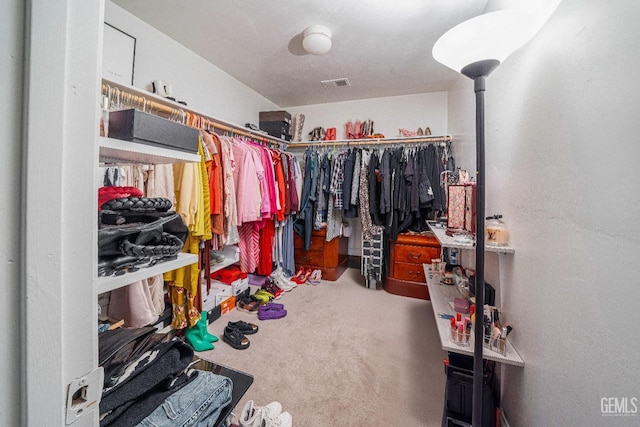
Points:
(148, 381)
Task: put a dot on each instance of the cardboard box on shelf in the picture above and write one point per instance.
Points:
(217, 292)
(239, 286)
(227, 305)
(229, 274)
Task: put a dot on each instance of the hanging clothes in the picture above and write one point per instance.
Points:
(192, 195)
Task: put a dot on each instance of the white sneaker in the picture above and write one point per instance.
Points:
(282, 282)
(273, 409)
(283, 420)
(255, 416)
(251, 415)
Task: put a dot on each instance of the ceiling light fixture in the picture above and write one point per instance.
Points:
(317, 40)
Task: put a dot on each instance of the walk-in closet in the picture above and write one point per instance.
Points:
(321, 213)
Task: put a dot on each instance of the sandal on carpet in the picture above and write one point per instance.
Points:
(304, 278)
(316, 277)
(299, 274)
(244, 327)
(248, 305)
(235, 338)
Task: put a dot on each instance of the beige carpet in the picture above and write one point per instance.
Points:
(343, 356)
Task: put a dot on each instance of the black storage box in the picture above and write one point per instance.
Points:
(275, 116)
(137, 126)
(214, 314)
(458, 404)
(275, 127)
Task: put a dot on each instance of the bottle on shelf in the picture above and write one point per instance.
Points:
(496, 231)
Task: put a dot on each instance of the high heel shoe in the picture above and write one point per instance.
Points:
(349, 130)
(299, 274)
(304, 278)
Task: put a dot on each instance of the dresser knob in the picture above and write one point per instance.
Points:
(414, 255)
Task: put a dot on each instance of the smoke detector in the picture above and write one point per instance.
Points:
(342, 82)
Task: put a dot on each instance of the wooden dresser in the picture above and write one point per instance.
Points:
(330, 257)
(408, 253)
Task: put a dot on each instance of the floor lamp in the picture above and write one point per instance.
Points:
(475, 48)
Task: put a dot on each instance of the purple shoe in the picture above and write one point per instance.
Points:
(271, 306)
(271, 313)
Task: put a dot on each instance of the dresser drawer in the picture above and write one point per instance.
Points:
(310, 258)
(317, 241)
(415, 254)
(410, 272)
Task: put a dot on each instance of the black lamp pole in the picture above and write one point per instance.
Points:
(478, 71)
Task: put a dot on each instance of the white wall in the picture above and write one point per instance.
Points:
(11, 63)
(562, 151)
(205, 87)
(388, 114)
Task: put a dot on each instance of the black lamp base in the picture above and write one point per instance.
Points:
(480, 68)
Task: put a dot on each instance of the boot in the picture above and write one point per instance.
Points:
(195, 338)
(202, 325)
(349, 130)
(298, 123)
(158, 88)
(358, 132)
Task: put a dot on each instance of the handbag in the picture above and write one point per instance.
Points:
(131, 238)
(461, 207)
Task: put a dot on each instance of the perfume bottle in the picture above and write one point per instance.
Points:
(496, 231)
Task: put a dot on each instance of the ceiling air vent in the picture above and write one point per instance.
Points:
(336, 82)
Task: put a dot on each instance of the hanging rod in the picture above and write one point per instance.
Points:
(169, 109)
(375, 141)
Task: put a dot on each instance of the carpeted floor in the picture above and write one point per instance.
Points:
(343, 356)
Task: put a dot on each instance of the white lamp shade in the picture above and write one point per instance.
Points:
(540, 10)
(317, 40)
(490, 36)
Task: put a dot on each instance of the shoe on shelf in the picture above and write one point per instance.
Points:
(216, 257)
(158, 88)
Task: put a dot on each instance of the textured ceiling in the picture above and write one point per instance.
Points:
(382, 46)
